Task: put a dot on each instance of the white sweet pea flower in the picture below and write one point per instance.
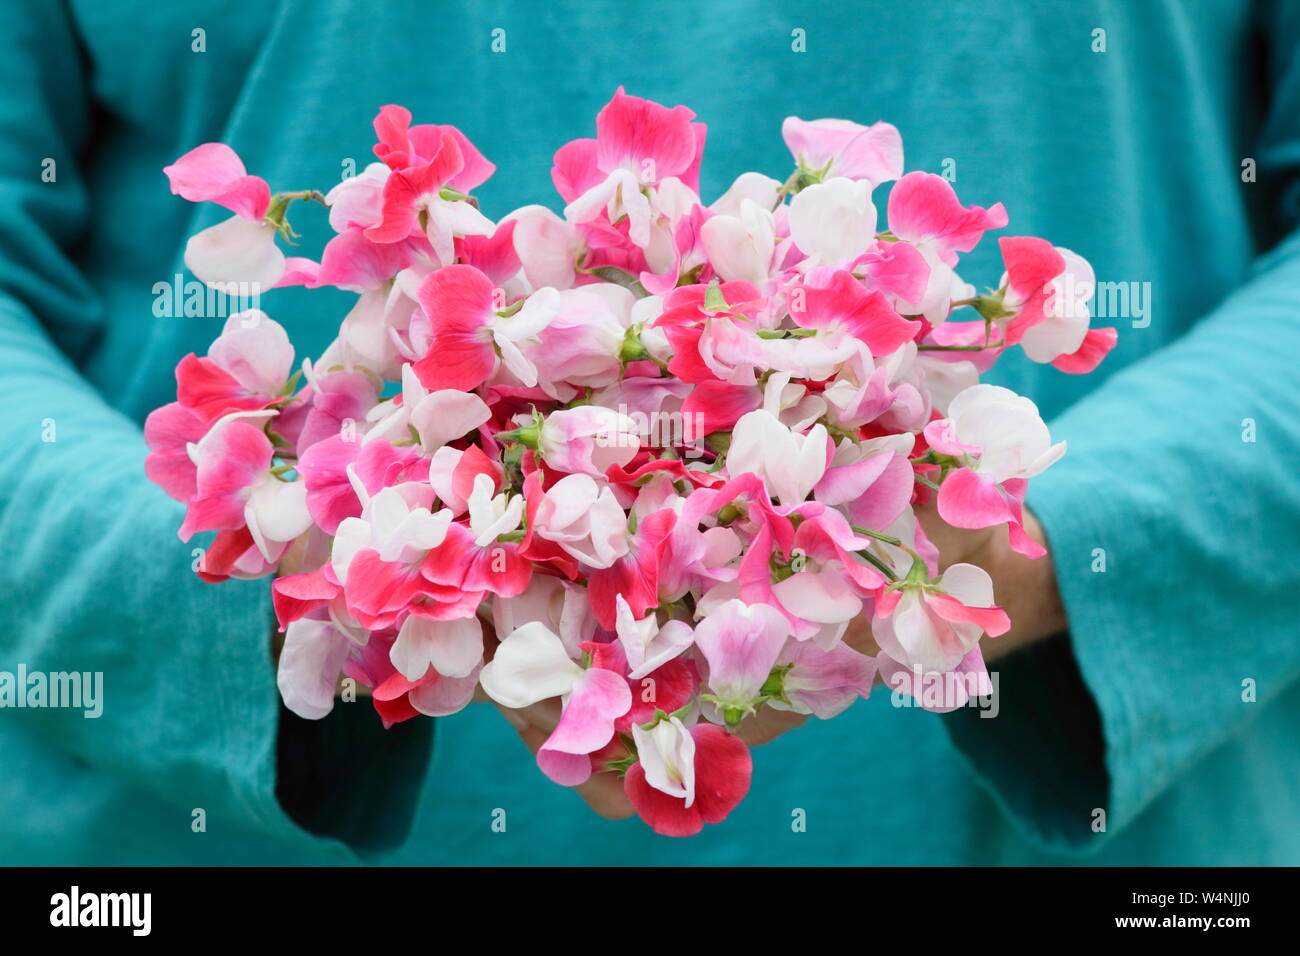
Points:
(741, 246)
(646, 644)
(397, 527)
(834, 221)
(790, 463)
(237, 256)
(667, 755)
(489, 516)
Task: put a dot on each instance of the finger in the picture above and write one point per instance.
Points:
(603, 791)
(766, 725)
(859, 637)
(544, 715)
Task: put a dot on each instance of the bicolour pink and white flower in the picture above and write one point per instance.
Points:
(1000, 442)
(472, 335)
(653, 455)
(835, 147)
(532, 665)
(1048, 291)
(931, 627)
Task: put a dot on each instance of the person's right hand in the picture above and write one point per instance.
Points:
(603, 791)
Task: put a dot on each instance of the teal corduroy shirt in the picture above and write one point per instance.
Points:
(1159, 139)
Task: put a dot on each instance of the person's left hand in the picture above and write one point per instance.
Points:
(1024, 587)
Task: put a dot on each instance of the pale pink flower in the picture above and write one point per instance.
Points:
(741, 643)
(588, 440)
(933, 626)
(838, 147)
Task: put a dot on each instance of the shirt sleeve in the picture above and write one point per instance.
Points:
(94, 578)
(1173, 523)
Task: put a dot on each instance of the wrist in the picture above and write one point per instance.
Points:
(1026, 589)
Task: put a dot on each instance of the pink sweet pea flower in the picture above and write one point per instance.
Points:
(639, 144)
(241, 251)
(439, 695)
(634, 573)
(741, 246)
(666, 755)
(470, 558)
(581, 345)
(327, 469)
(313, 594)
(358, 201)
(588, 440)
(402, 146)
(237, 256)
(438, 417)
(646, 644)
(452, 474)
(924, 210)
(822, 682)
(335, 403)
(494, 255)
(309, 666)
(245, 370)
(827, 582)
(214, 172)
(395, 697)
(468, 331)
(721, 770)
(425, 159)
(1047, 291)
(843, 302)
(234, 488)
(352, 261)
(741, 643)
(547, 247)
(1002, 442)
(532, 665)
(584, 519)
(169, 431)
(233, 554)
(940, 693)
(870, 481)
(668, 688)
(836, 147)
(378, 559)
(932, 626)
(453, 648)
(549, 600)
(635, 135)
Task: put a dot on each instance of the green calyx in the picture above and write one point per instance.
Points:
(731, 512)
(918, 576)
(632, 349)
(714, 300)
(277, 211)
(774, 687)
(531, 436)
(528, 435)
(989, 305)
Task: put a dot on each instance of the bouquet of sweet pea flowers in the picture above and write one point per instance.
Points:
(649, 456)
